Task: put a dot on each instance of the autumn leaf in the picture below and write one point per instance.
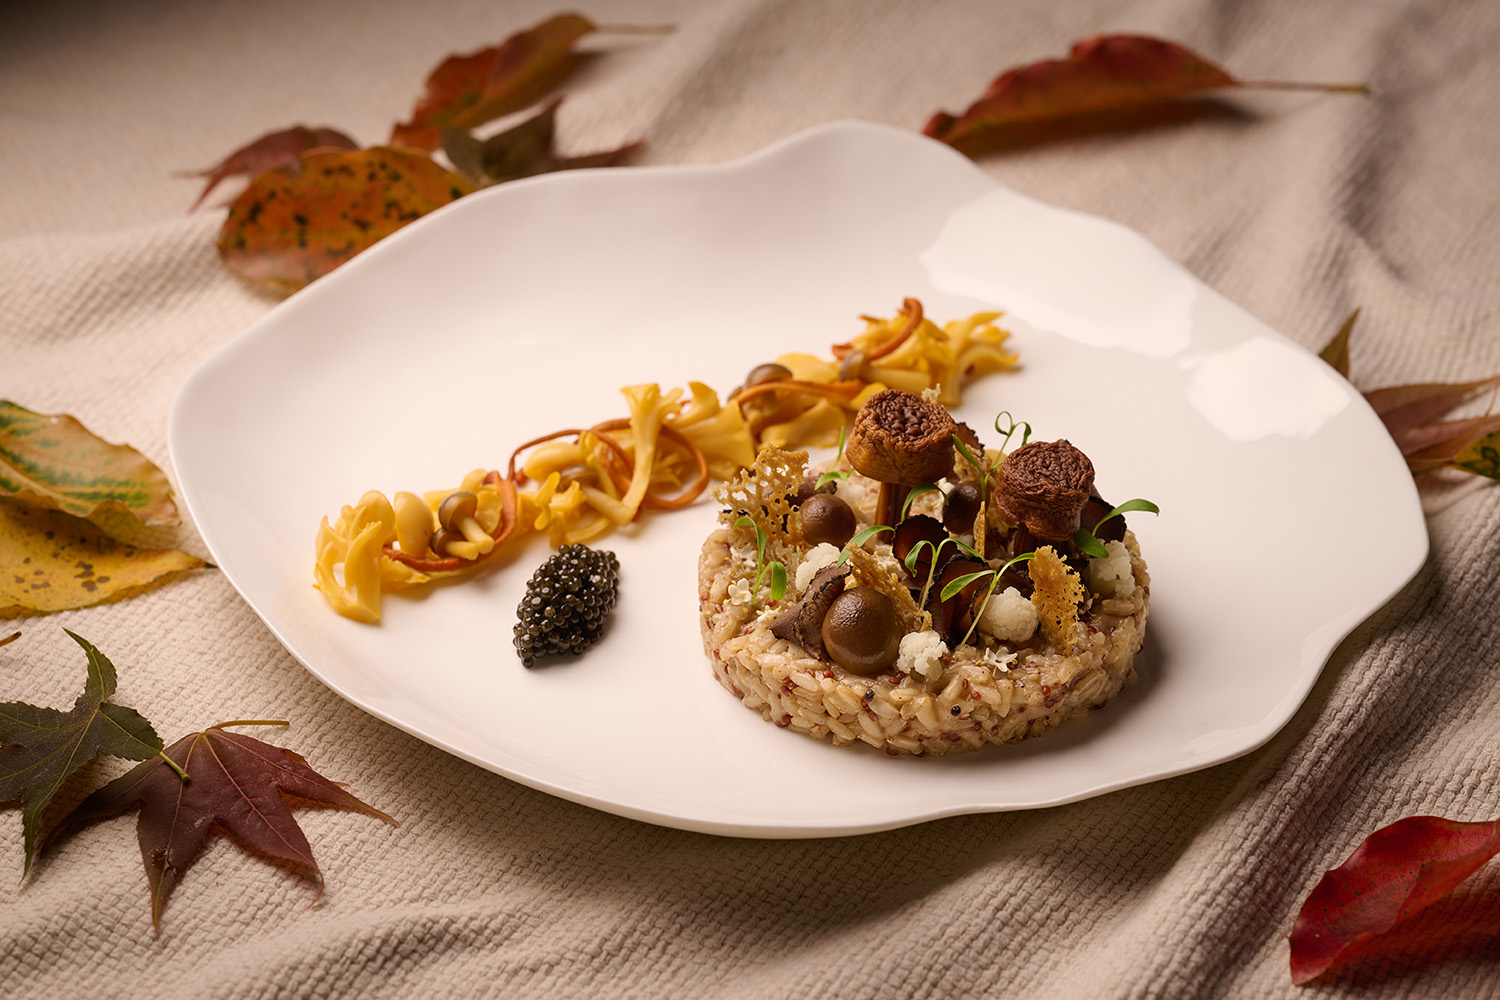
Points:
(1410, 414)
(1399, 870)
(287, 229)
(53, 461)
(235, 783)
(51, 561)
(464, 92)
(40, 747)
(1103, 82)
(274, 150)
(523, 150)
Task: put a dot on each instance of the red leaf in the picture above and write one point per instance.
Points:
(1404, 409)
(1104, 81)
(1397, 871)
(235, 784)
(286, 229)
(271, 151)
(467, 91)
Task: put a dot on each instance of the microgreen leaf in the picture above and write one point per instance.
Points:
(838, 457)
(1127, 507)
(778, 580)
(954, 586)
(915, 492)
(1089, 544)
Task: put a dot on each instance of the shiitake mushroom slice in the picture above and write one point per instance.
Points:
(952, 618)
(911, 532)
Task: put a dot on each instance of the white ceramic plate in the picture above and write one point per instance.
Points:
(523, 309)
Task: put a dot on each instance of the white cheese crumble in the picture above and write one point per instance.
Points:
(818, 557)
(739, 592)
(921, 653)
(1111, 576)
(1009, 617)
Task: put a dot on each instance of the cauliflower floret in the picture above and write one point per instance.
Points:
(1112, 576)
(818, 557)
(921, 653)
(1009, 617)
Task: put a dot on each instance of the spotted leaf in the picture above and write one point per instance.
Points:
(288, 229)
(51, 561)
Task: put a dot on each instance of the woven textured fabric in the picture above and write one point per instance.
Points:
(1300, 207)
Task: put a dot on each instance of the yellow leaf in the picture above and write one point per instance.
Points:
(50, 561)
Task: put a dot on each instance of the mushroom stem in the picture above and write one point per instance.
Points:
(888, 506)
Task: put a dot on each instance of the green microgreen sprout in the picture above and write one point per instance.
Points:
(859, 539)
(912, 495)
(775, 568)
(915, 555)
(979, 462)
(1088, 540)
(833, 474)
(1010, 431)
(954, 586)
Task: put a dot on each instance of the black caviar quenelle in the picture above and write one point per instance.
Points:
(567, 601)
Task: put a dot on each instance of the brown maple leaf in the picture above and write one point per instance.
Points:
(235, 783)
(1106, 82)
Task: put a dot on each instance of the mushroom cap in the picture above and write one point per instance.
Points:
(899, 437)
(1044, 486)
(456, 505)
(826, 517)
(961, 507)
(860, 631)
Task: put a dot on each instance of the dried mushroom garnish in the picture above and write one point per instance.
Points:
(1044, 485)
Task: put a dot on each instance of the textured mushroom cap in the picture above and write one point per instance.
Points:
(899, 437)
(1044, 486)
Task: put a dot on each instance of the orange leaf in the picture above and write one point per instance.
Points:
(287, 229)
(271, 151)
(467, 91)
(1104, 82)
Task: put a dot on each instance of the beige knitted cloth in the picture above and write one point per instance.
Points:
(1303, 209)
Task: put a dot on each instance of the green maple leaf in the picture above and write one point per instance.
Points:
(234, 783)
(40, 747)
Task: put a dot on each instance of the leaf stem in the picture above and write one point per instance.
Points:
(10, 639)
(251, 722)
(173, 765)
(1328, 88)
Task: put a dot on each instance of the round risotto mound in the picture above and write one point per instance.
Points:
(987, 692)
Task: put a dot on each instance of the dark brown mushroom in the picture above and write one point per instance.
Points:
(1043, 486)
(860, 631)
(900, 440)
(827, 518)
(961, 507)
(802, 623)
